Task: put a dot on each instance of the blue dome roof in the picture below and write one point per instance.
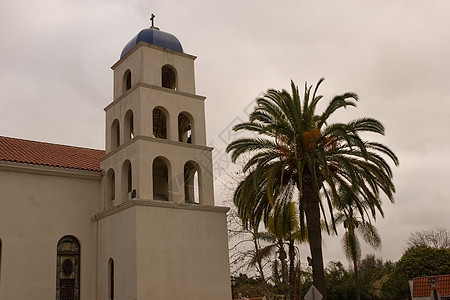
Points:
(154, 36)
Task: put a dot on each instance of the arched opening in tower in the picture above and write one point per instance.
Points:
(110, 188)
(159, 123)
(129, 125)
(169, 77)
(127, 180)
(185, 126)
(126, 83)
(160, 180)
(192, 182)
(115, 134)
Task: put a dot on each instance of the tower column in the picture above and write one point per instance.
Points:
(173, 126)
(177, 183)
(146, 175)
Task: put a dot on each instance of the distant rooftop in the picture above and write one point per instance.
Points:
(422, 286)
(48, 154)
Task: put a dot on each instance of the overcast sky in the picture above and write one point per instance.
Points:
(55, 77)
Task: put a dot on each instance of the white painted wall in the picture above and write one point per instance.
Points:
(36, 210)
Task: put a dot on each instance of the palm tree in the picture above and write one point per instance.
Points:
(276, 246)
(282, 230)
(285, 225)
(352, 215)
(296, 148)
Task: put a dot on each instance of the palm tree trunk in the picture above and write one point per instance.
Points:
(312, 213)
(291, 269)
(282, 258)
(355, 271)
(298, 281)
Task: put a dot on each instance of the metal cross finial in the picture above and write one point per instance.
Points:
(152, 19)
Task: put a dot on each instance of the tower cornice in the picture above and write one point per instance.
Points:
(154, 87)
(143, 44)
(156, 140)
(161, 204)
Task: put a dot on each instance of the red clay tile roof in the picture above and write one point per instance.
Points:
(422, 287)
(47, 154)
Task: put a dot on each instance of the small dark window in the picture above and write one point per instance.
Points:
(111, 278)
(169, 77)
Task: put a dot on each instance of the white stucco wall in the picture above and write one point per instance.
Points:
(173, 251)
(37, 209)
(182, 253)
(117, 240)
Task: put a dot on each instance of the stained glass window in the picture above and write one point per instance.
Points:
(68, 269)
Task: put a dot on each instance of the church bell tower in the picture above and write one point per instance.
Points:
(160, 235)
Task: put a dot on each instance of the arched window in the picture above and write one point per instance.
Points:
(159, 123)
(192, 182)
(126, 82)
(68, 269)
(169, 77)
(129, 125)
(110, 190)
(185, 128)
(160, 179)
(111, 279)
(127, 180)
(115, 134)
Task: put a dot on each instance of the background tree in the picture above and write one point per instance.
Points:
(417, 261)
(373, 274)
(351, 212)
(246, 247)
(339, 282)
(282, 232)
(298, 282)
(252, 287)
(284, 224)
(244, 236)
(297, 148)
(436, 237)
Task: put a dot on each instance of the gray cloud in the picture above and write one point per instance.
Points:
(55, 76)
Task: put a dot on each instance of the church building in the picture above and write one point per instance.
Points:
(134, 222)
